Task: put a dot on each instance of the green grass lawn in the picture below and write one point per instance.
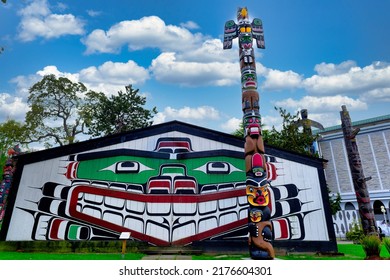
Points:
(350, 252)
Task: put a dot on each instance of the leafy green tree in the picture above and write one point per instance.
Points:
(117, 113)
(54, 117)
(289, 137)
(11, 133)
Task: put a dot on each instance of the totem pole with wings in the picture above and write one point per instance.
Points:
(257, 177)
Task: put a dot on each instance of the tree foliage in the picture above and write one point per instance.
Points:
(54, 117)
(117, 113)
(289, 137)
(11, 134)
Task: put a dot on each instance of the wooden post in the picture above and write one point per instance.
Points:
(124, 237)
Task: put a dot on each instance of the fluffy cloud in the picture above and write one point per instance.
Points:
(348, 78)
(197, 114)
(116, 73)
(370, 83)
(12, 107)
(277, 80)
(322, 104)
(231, 125)
(166, 68)
(147, 32)
(38, 21)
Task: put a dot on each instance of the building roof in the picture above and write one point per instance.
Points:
(357, 124)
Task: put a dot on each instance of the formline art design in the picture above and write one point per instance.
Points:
(257, 173)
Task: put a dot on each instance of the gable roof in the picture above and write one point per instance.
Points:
(156, 130)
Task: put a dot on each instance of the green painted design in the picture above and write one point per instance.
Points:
(96, 169)
(72, 234)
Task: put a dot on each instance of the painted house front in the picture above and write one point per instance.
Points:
(168, 184)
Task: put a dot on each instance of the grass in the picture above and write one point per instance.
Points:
(349, 251)
(68, 256)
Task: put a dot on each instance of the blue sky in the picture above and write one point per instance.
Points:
(319, 55)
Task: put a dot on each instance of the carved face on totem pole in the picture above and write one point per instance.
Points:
(257, 192)
(252, 125)
(246, 40)
(248, 79)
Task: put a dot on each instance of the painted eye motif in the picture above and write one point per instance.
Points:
(127, 166)
(218, 167)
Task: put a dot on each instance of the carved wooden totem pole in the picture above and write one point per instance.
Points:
(257, 182)
(359, 181)
(307, 124)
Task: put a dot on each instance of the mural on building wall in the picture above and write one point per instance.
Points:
(257, 173)
(163, 189)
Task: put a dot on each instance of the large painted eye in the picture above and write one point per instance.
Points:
(127, 166)
(217, 167)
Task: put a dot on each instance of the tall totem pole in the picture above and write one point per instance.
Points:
(257, 180)
(366, 212)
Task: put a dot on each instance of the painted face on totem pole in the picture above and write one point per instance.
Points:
(245, 41)
(255, 215)
(257, 192)
(252, 125)
(249, 79)
(258, 165)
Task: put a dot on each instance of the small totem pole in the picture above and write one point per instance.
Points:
(307, 124)
(257, 179)
(359, 181)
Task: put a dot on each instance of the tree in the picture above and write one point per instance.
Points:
(55, 105)
(11, 133)
(289, 137)
(117, 113)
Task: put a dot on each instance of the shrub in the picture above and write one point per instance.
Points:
(386, 242)
(355, 234)
(371, 245)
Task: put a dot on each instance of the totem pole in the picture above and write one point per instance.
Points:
(359, 181)
(307, 124)
(257, 180)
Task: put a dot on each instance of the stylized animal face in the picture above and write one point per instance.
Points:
(255, 215)
(257, 192)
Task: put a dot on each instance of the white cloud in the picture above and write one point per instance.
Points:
(35, 8)
(369, 84)
(377, 95)
(194, 115)
(12, 107)
(93, 13)
(348, 78)
(166, 68)
(147, 32)
(189, 25)
(277, 80)
(331, 69)
(53, 70)
(231, 125)
(38, 21)
(116, 73)
(322, 104)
